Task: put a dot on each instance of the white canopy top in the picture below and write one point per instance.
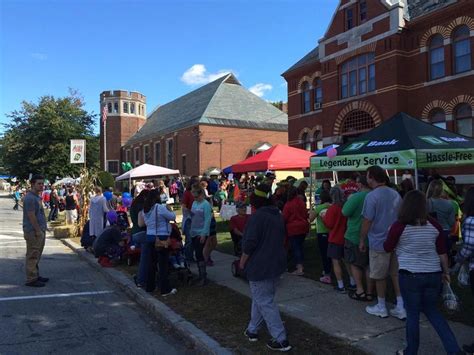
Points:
(146, 170)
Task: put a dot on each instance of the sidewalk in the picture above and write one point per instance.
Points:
(337, 315)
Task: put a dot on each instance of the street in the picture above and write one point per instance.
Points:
(78, 311)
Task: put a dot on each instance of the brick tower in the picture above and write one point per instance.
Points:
(126, 114)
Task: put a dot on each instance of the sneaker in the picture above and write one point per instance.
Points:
(326, 279)
(377, 310)
(43, 279)
(277, 346)
(252, 337)
(176, 266)
(210, 262)
(181, 265)
(172, 292)
(399, 313)
(35, 283)
(340, 290)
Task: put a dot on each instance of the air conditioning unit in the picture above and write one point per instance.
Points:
(317, 105)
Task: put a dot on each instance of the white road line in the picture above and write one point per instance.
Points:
(55, 295)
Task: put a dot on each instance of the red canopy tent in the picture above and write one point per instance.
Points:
(278, 157)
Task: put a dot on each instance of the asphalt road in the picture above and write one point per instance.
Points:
(78, 312)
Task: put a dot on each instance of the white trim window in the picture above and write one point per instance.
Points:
(169, 153)
(146, 154)
(136, 155)
(113, 167)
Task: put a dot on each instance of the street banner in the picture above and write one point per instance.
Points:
(359, 162)
(78, 151)
(430, 158)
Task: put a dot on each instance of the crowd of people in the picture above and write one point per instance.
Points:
(367, 230)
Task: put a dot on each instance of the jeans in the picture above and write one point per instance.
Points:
(163, 263)
(297, 243)
(188, 242)
(146, 259)
(198, 248)
(177, 258)
(323, 251)
(265, 309)
(53, 213)
(420, 294)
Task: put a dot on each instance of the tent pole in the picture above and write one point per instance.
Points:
(396, 179)
(416, 179)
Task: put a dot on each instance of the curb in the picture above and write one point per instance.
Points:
(187, 331)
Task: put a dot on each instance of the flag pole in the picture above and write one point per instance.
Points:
(105, 145)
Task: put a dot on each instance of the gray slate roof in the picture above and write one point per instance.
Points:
(311, 57)
(413, 9)
(223, 102)
(417, 8)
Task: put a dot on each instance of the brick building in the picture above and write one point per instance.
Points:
(215, 125)
(379, 57)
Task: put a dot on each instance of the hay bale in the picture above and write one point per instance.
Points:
(62, 232)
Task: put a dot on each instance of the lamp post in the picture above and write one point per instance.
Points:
(220, 150)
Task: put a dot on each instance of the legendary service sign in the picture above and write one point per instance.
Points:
(78, 151)
(389, 160)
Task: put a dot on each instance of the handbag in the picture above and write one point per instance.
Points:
(463, 276)
(158, 242)
(450, 300)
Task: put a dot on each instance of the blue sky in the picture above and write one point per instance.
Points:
(162, 49)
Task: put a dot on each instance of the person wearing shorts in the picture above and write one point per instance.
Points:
(380, 211)
(336, 223)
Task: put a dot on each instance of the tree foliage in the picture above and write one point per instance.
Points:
(105, 179)
(37, 139)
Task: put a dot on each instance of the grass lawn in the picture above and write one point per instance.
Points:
(313, 269)
(224, 315)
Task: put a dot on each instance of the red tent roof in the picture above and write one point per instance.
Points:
(278, 157)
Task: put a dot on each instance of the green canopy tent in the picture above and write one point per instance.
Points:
(402, 142)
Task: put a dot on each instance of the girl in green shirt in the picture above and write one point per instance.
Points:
(323, 234)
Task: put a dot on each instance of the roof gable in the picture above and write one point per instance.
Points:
(221, 102)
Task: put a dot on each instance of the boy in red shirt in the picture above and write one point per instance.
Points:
(335, 221)
(237, 226)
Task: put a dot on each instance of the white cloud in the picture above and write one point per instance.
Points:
(198, 75)
(260, 89)
(39, 56)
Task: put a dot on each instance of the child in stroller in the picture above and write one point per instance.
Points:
(176, 248)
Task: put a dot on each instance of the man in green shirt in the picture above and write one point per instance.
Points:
(359, 261)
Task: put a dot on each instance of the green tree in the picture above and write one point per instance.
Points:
(37, 139)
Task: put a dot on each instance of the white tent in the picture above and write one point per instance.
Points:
(146, 171)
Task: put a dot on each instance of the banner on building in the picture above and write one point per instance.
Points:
(78, 151)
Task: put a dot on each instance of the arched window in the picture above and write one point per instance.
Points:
(306, 97)
(437, 118)
(317, 141)
(436, 57)
(464, 120)
(305, 142)
(461, 49)
(358, 75)
(125, 107)
(109, 107)
(132, 107)
(318, 93)
(357, 122)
